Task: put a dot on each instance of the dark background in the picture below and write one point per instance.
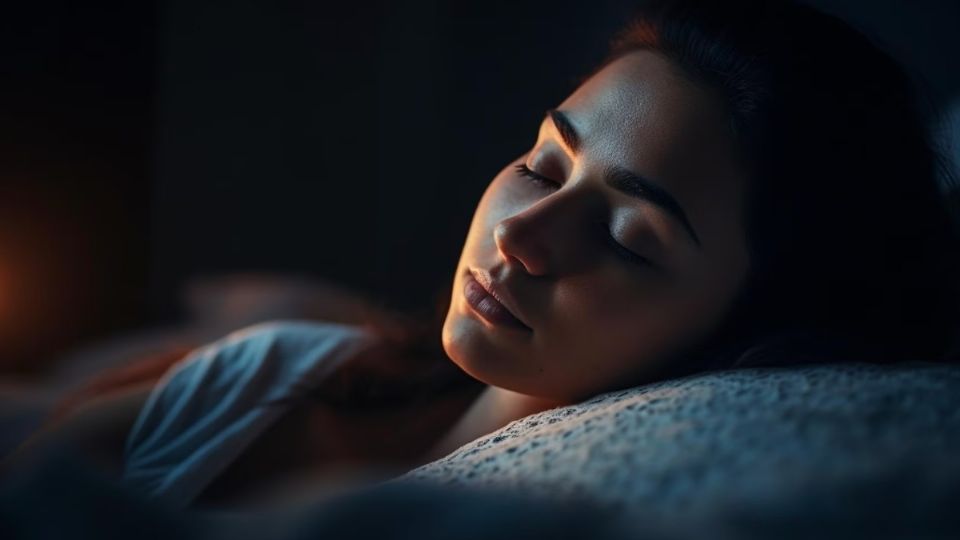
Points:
(145, 143)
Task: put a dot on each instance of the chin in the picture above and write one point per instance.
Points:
(460, 345)
(487, 361)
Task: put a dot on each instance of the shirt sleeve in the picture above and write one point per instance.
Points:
(211, 405)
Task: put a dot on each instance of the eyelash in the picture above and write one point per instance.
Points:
(537, 179)
(543, 182)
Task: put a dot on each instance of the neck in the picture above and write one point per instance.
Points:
(495, 408)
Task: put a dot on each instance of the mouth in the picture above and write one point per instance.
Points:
(490, 303)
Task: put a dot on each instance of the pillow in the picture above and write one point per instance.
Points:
(766, 439)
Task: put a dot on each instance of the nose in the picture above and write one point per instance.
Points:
(543, 235)
(513, 239)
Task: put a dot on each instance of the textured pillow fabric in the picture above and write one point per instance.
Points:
(766, 439)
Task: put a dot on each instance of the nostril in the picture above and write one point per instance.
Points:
(512, 261)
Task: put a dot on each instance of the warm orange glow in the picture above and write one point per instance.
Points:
(7, 327)
(3, 295)
(6, 295)
(9, 323)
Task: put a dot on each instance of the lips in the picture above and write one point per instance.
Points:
(489, 302)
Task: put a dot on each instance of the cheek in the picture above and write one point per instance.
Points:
(610, 330)
(605, 315)
(608, 297)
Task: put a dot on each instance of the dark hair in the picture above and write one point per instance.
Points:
(852, 251)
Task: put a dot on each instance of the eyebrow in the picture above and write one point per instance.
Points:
(569, 135)
(624, 181)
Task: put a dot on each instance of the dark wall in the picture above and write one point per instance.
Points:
(76, 129)
(349, 142)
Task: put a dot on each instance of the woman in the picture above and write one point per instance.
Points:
(740, 183)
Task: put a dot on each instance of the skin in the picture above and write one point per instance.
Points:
(597, 321)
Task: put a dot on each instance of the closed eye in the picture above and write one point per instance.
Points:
(622, 251)
(536, 178)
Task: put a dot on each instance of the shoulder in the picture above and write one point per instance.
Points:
(269, 357)
(253, 365)
(292, 335)
(207, 408)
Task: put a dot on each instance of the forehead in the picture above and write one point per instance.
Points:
(642, 113)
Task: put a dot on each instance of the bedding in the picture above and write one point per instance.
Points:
(831, 451)
(788, 440)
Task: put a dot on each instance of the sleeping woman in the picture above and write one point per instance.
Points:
(743, 183)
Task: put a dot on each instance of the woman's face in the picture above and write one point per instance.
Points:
(616, 241)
